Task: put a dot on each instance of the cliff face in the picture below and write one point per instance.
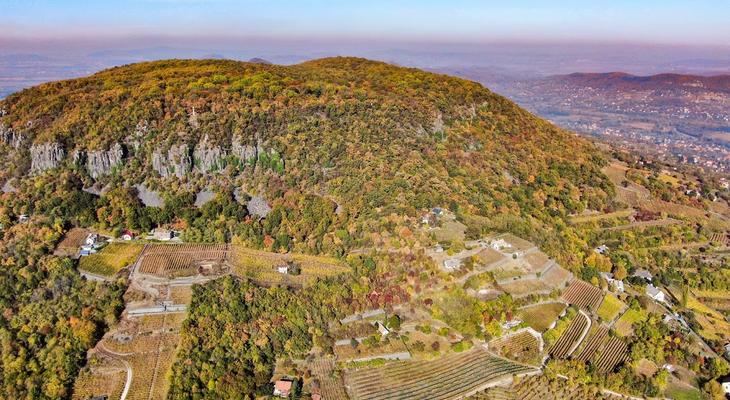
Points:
(99, 163)
(10, 137)
(176, 161)
(208, 157)
(45, 156)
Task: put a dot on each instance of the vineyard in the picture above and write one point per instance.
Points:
(260, 266)
(327, 379)
(180, 259)
(105, 376)
(541, 316)
(612, 354)
(583, 295)
(540, 388)
(571, 338)
(111, 259)
(624, 326)
(71, 242)
(453, 376)
(610, 308)
(521, 346)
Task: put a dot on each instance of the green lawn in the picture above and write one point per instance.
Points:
(610, 308)
(110, 259)
(677, 392)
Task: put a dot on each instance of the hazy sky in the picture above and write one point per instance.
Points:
(693, 22)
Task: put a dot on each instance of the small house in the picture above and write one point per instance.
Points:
(384, 331)
(282, 269)
(725, 382)
(643, 274)
(127, 235)
(500, 244)
(655, 293)
(91, 239)
(22, 218)
(511, 324)
(438, 249)
(727, 349)
(429, 219)
(616, 284)
(452, 264)
(282, 388)
(602, 249)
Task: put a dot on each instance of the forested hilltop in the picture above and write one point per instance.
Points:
(331, 144)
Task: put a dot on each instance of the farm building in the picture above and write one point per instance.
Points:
(725, 382)
(282, 269)
(23, 218)
(282, 388)
(452, 264)
(384, 331)
(500, 244)
(643, 274)
(162, 234)
(655, 293)
(616, 284)
(602, 249)
(127, 235)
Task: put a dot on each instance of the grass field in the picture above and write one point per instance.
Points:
(579, 219)
(111, 259)
(625, 325)
(542, 316)
(678, 392)
(610, 307)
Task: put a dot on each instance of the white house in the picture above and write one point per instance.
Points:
(452, 264)
(500, 244)
(384, 331)
(644, 274)
(282, 269)
(438, 249)
(282, 388)
(655, 293)
(602, 249)
(616, 284)
(725, 381)
(727, 349)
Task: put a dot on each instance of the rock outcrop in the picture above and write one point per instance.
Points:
(245, 153)
(10, 137)
(176, 161)
(45, 156)
(101, 162)
(208, 157)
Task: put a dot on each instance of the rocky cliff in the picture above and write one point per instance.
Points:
(176, 161)
(45, 156)
(101, 162)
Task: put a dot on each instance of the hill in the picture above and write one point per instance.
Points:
(624, 81)
(330, 144)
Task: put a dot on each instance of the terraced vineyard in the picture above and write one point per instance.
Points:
(572, 336)
(449, 377)
(541, 316)
(260, 266)
(540, 388)
(613, 353)
(330, 383)
(167, 259)
(111, 259)
(521, 346)
(583, 295)
(594, 342)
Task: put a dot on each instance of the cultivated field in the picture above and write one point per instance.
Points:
(625, 325)
(522, 347)
(72, 241)
(260, 266)
(328, 380)
(583, 295)
(605, 352)
(111, 259)
(571, 338)
(180, 259)
(540, 317)
(610, 308)
(449, 377)
(541, 388)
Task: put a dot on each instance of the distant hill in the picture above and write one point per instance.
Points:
(624, 81)
(259, 61)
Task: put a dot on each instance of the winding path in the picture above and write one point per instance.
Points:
(117, 356)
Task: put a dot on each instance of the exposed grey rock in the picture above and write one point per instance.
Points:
(244, 152)
(9, 188)
(45, 156)
(10, 137)
(207, 157)
(203, 197)
(177, 161)
(149, 198)
(240, 196)
(193, 119)
(79, 157)
(257, 206)
(438, 124)
(134, 141)
(101, 162)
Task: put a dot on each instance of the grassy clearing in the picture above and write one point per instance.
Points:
(541, 317)
(610, 307)
(678, 392)
(579, 219)
(625, 325)
(111, 259)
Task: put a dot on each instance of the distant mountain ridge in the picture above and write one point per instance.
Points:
(625, 81)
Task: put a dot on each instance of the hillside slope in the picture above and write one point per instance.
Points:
(358, 137)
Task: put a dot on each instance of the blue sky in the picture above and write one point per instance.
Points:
(697, 22)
